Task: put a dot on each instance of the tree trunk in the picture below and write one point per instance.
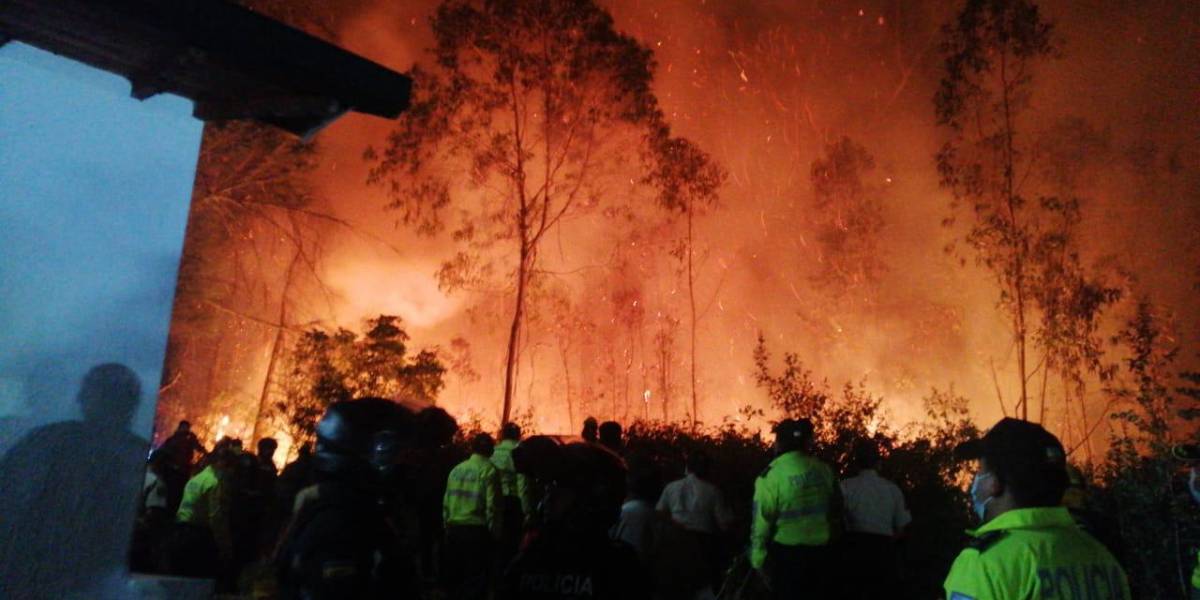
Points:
(627, 396)
(1021, 364)
(1087, 440)
(276, 348)
(625, 380)
(664, 383)
(214, 368)
(1068, 435)
(564, 352)
(1019, 249)
(612, 382)
(532, 372)
(692, 302)
(1045, 377)
(510, 359)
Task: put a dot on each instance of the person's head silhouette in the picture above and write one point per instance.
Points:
(68, 520)
(109, 395)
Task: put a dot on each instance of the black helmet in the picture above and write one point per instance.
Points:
(386, 449)
(348, 432)
(793, 434)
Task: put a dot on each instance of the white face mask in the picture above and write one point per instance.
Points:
(980, 506)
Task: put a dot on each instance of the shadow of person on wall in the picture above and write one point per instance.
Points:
(68, 496)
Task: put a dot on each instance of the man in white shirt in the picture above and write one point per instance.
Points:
(697, 507)
(875, 518)
(637, 523)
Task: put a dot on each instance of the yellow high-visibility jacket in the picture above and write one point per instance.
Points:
(205, 503)
(1032, 553)
(473, 494)
(512, 483)
(793, 504)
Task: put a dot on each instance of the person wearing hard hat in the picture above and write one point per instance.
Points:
(1027, 545)
(797, 506)
(472, 516)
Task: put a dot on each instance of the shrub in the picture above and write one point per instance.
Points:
(1141, 484)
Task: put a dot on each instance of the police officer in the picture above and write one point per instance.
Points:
(1028, 545)
(472, 516)
(340, 543)
(571, 555)
(207, 497)
(514, 490)
(797, 505)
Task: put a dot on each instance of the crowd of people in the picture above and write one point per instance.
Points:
(386, 505)
(389, 503)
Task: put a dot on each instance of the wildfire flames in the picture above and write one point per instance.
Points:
(853, 278)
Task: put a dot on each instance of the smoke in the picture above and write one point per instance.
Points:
(764, 87)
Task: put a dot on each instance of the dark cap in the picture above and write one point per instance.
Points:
(798, 430)
(510, 431)
(1024, 455)
(793, 435)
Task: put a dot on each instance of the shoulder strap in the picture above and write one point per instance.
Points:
(987, 540)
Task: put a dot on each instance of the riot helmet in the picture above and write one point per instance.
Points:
(349, 431)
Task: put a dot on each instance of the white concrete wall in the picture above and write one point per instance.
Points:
(94, 193)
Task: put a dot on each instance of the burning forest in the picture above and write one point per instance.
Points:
(660, 211)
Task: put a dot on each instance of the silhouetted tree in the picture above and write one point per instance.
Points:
(991, 50)
(548, 111)
(849, 218)
(688, 181)
(1156, 410)
(251, 199)
(329, 367)
(1072, 298)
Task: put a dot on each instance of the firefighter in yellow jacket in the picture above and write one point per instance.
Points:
(206, 504)
(1028, 546)
(797, 509)
(472, 515)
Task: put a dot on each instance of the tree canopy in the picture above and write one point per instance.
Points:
(532, 113)
(327, 367)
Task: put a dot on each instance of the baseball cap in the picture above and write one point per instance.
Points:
(798, 429)
(1024, 455)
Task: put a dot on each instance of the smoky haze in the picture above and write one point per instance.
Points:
(765, 87)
